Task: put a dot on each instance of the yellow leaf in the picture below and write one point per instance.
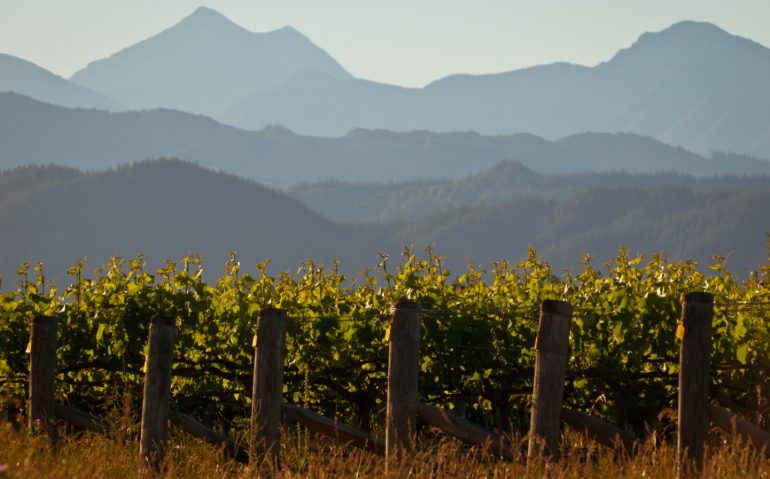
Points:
(387, 333)
(680, 331)
(29, 346)
(742, 352)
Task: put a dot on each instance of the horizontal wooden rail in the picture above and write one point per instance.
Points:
(734, 424)
(329, 427)
(600, 431)
(465, 430)
(81, 419)
(194, 428)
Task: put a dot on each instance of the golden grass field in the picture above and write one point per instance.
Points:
(307, 456)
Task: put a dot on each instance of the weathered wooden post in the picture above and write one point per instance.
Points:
(42, 372)
(552, 345)
(157, 390)
(694, 377)
(403, 370)
(267, 390)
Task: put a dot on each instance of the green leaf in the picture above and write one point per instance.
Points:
(740, 328)
(617, 332)
(100, 332)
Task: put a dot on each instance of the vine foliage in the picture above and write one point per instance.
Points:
(478, 331)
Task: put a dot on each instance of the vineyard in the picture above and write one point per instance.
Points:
(476, 337)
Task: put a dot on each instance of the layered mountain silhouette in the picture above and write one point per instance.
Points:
(692, 85)
(23, 77)
(568, 158)
(35, 132)
(204, 64)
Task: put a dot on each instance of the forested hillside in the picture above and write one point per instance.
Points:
(506, 181)
(163, 209)
(168, 209)
(682, 223)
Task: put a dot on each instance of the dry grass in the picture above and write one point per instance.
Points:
(92, 456)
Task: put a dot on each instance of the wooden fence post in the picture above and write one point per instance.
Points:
(267, 389)
(552, 344)
(157, 390)
(403, 370)
(694, 378)
(42, 372)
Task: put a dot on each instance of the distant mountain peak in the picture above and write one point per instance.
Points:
(686, 38)
(205, 64)
(204, 17)
(694, 26)
(688, 31)
(277, 130)
(206, 11)
(289, 29)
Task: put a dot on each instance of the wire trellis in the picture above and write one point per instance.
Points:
(584, 311)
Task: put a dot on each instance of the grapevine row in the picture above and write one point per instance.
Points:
(476, 335)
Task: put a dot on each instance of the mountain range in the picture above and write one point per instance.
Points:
(692, 85)
(663, 147)
(35, 132)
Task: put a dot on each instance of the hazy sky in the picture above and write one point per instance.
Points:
(406, 42)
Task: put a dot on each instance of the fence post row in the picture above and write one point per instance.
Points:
(42, 373)
(157, 390)
(267, 389)
(403, 370)
(694, 379)
(551, 347)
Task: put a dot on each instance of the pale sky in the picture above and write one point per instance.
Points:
(404, 42)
